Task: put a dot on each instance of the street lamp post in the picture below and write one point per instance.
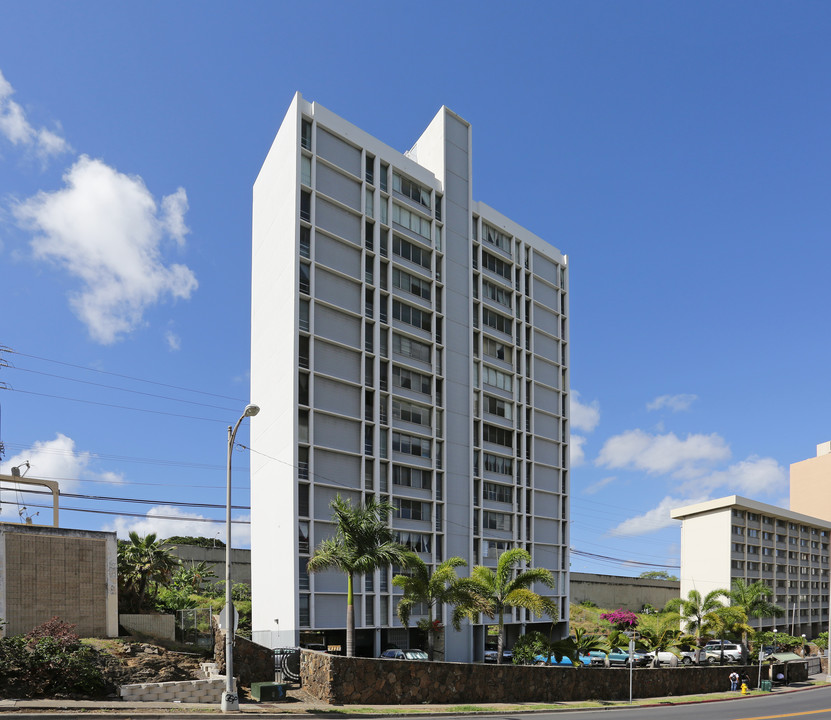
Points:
(230, 699)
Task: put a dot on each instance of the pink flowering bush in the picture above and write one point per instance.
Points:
(621, 619)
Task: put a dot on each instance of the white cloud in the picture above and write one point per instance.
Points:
(174, 342)
(17, 130)
(577, 455)
(676, 403)
(583, 416)
(653, 520)
(751, 477)
(599, 485)
(659, 454)
(52, 460)
(105, 229)
(166, 521)
(56, 460)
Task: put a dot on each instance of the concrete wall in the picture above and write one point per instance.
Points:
(215, 558)
(341, 680)
(157, 626)
(611, 591)
(47, 572)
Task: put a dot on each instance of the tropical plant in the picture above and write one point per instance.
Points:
(190, 577)
(432, 589)
(143, 564)
(530, 646)
(730, 621)
(752, 598)
(363, 542)
(660, 633)
(821, 640)
(695, 610)
(586, 642)
(492, 591)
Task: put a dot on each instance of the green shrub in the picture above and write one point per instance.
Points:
(50, 662)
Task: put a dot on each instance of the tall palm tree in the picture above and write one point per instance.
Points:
(727, 620)
(694, 611)
(363, 542)
(441, 587)
(753, 599)
(143, 562)
(494, 591)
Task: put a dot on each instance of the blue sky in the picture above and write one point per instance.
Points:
(677, 152)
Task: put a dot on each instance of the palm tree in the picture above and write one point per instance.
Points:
(363, 542)
(441, 587)
(753, 599)
(494, 591)
(695, 610)
(143, 562)
(726, 621)
(659, 633)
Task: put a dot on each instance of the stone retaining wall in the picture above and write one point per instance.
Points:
(343, 681)
(252, 662)
(187, 691)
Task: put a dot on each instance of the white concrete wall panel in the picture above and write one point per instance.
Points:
(337, 361)
(338, 152)
(338, 255)
(337, 433)
(335, 325)
(337, 290)
(336, 185)
(337, 220)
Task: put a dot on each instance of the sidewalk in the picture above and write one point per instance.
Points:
(300, 703)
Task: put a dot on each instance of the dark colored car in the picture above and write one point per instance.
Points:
(491, 656)
(398, 654)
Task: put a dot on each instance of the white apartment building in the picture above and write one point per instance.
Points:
(408, 343)
(736, 538)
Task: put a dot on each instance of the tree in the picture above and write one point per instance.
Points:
(143, 563)
(363, 542)
(657, 575)
(586, 642)
(494, 591)
(753, 600)
(191, 577)
(726, 621)
(660, 633)
(695, 611)
(441, 587)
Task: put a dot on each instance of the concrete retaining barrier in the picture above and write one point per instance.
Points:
(187, 691)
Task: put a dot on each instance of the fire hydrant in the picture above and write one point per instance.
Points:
(745, 689)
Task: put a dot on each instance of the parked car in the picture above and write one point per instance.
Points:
(685, 657)
(732, 651)
(545, 660)
(639, 659)
(492, 655)
(398, 654)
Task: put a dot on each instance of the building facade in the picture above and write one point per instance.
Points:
(736, 538)
(408, 343)
(811, 484)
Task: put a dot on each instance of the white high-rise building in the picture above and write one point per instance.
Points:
(409, 343)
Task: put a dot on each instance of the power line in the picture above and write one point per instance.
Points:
(120, 389)
(129, 514)
(119, 407)
(114, 374)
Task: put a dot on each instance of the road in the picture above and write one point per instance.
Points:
(812, 704)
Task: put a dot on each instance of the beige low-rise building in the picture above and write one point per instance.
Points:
(736, 538)
(811, 484)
